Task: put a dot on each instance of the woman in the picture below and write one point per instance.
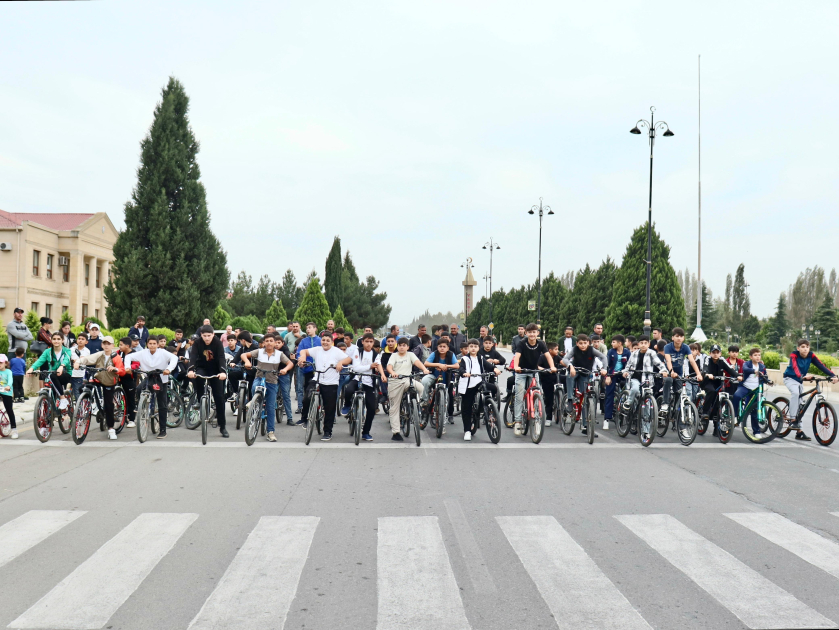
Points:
(44, 333)
(56, 359)
(69, 337)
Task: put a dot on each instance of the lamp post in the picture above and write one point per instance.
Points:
(818, 333)
(541, 210)
(486, 292)
(810, 332)
(651, 127)
(492, 246)
(467, 284)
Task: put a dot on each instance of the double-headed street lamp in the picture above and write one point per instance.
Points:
(651, 126)
(542, 210)
(492, 246)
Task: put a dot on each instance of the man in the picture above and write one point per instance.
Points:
(325, 356)
(367, 331)
(598, 330)
(519, 337)
(657, 336)
(330, 328)
(205, 323)
(292, 338)
(153, 357)
(228, 332)
(567, 342)
(270, 329)
(19, 335)
(206, 357)
(306, 371)
(456, 338)
(416, 340)
(365, 362)
(351, 350)
(94, 344)
(284, 379)
(141, 331)
(268, 360)
(527, 358)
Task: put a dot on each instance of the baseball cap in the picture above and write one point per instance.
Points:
(107, 338)
(18, 310)
(95, 325)
(716, 347)
(134, 336)
(3, 357)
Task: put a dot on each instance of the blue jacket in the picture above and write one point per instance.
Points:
(799, 366)
(612, 358)
(144, 336)
(305, 344)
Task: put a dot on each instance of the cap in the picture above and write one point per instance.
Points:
(195, 337)
(716, 347)
(95, 325)
(134, 336)
(3, 357)
(18, 310)
(108, 338)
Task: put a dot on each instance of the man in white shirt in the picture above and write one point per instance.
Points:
(155, 358)
(329, 360)
(364, 362)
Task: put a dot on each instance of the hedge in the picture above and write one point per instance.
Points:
(77, 329)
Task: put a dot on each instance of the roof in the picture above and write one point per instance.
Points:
(55, 221)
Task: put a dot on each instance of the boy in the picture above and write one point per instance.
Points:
(701, 361)
(401, 363)
(639, 368)
(527, 358)
(467, 387)
(567, 343)
(206, 357)
(325, 356)
(796, 372)
(549, 380)
(736, 363)
(269, 360)
(750, 379)
(364, 363)
(583, 356)
(442, 363)
(715, 367)
(284, 380)
(676, 353)
(111, 369)
(422, 349)
(464, 351)
(18, 366)
(616, 359)
(154, 357)
(77, 352)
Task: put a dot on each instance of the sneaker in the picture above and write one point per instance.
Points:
(14, 435)
(605, 425)
(300, 423)
(467, 437)
(112, 434)
(326, 437)
(130, 425)
(758, 435)
(547, 423)
(451, 419)
(298, 411)
(270, 437)
(161, 435)
(224, 433)
(366, 437)
(397, 437)
(795, 425)
(517, 428)
(664, 409)
(345, 411)
(802, 436)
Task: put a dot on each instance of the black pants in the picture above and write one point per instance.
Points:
(17, 385)
(329, 395)
(711, 397)
(108, 401)
(8, 403)
(369, 400)
(217, 388)
(307, 391)
(467, 399)
(62, 380)
(548, 385)
(129, 389)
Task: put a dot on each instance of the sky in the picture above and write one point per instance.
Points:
(418, 131)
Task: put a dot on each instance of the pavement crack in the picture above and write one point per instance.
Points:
(302, 478)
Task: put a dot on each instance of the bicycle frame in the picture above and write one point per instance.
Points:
(814, 394)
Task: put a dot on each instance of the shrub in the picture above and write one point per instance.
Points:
(829, 361)
(119, 333)
(170, 334)
(772, 360)
(102, 330)
(251, 323)
(4, 340)
(33, 323)
(66, 317)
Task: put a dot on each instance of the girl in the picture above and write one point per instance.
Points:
(6, 381)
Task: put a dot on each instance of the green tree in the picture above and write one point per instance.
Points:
(597, 296)
(221, 318)
(65, 317)
(571, 313)
(168, 264)
(313, 306)
(626, 311)
(740, 304)
(276, 315)
(709, 313)
(33, 323)
(240, 294)
(825, 320)
(251, 323)
(289, 292)
(340, 319)
(333, 280)
(780, 326)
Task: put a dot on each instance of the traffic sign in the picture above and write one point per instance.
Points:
(531, 305)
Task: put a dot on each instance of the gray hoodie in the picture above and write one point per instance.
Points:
(18, 334)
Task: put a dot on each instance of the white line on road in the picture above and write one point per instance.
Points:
(93, 592)
(27, 530)
(258, 587)
(417, 588)
(470, 551)
(577, 592)
(795, 538)
(756, 601)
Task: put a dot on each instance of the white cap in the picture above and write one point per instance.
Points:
(94, 325)
(3, 357)
(108, 339)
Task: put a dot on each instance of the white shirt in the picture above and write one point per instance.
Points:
(160, 360)
(473, 366)
(753, 381)
(569, 343)
(324, 359)
(363, 362)
(78, 354)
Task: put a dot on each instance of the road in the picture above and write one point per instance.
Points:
(178, 535)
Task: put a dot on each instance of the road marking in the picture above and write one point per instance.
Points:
(753, 599)
(93, 592)
(258, 587)
(470, 551)
(27, 530)
(417, 589)
(795, 538)
(577, 592)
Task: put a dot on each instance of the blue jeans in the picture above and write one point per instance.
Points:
(342, 380)
(744, 395)
(270, 410)
(78, 383)
(522, 381)
(285, 389)
(299, 387)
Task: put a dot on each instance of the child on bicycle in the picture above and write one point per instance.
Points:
(467, 387)
(402, 363)
(616, 358)
(639, 369)
(749, 379)
(549, 380)
(442, 363)
(581, 356)
(796, 372)
(716, 367)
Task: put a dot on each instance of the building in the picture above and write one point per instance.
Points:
(52, 263)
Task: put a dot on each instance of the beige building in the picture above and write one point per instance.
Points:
(52, 263)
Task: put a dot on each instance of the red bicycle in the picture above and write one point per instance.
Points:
(583, 401)
(534, 407)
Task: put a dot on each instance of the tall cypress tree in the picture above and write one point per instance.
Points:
(626, 312)
(275, 315)
(780, 325)
(825, 320)
(709, 314)
(333, 282)
(313, 306)
(168, 265)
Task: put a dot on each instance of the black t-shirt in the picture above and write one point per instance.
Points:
(530, 354)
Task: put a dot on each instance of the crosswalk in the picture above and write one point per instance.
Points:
(417, 584)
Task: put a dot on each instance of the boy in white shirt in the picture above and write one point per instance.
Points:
(77, 352)
(324, 357)
(401, 363)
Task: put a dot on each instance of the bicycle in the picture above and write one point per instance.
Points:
(409, 414)
(436, 407)
(584, 405)
(642, 417)
(146, 417)
(824, 416)
(769, 416)
(683, 416)
(256, 420)
(51, 404)
(242, 397)
(207, 408)
(486, 407)
(358, 408)
(533, 414)
(91, 401)
(316, 411)
(726, 418)
(559, 397)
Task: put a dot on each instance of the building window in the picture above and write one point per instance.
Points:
(65, 273)
(48, 310)
(96, 313)
(49, 268)
(65, 309)
(36, 262)
(84, 311)
(35, 306)
(98, 273)
(87, 274)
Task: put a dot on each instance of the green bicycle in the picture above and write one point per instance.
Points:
(769, 415)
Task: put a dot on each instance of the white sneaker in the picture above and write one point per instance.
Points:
(112, 434)
(758, 436)
(131, 425)
(517, 428)
(467, 437)
(605, 425)
(14, 435)
(547, 423)
(664, 409)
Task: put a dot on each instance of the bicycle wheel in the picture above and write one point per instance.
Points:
(456, 410)
(648, 419)
(774, 418)
(253, 418)
(263, 425)
(65, 415)
(143, 413)
(241, 404)
(621, 416)
(351, 417)
(192, 413)
(687, 423)
(5, 424)
(119, 410)
(700, 405)
(591, 417)
(440, 411)
(824, 423)
(663, 422)
(42, 418)
(405, 416)
(727, 420)
(765, 421)
(205, 417)
(175, 414)
(508, 413)
(785, 421)
(314, 403)
(357, 415)
(559, 400)
(537, 421)
(416, 421)
(568, 419)
(491, 421)
(81, 418)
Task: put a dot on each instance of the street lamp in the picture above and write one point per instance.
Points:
(728, 333)
(486, 277)
(492, 246)
(541, 210)
(651, 127)
(818, 332)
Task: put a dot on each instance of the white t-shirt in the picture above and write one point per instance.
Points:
(324, 359)
(78, 354)
(402, 365)
(363, 362)
(568, 343)
(473, 366)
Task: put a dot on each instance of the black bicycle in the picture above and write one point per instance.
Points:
(206, 408)
(409, 413)
(316, 410)
(256, 417)
(640, 418)
(148, 415)
(358, 407)
(484, 407)
(91, 402)
(824, 416)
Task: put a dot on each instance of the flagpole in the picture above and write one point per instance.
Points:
(698, 334)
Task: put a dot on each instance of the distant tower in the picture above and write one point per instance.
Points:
(468, 288)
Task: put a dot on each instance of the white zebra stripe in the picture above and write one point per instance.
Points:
(26, 531)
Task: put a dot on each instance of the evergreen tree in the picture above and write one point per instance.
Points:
(168, 264)
(333, 283)
(780, 326)
(554, 296)
(275, 315)
(251, 323)
(33, 323)
(825, 320)
(221, 318)
(709, 313)
(241, 294)
(313, 307)
(596, 297)
(289, 292)
(340, 320)
(571, 313)
(313, 275)
(626, 312)
(740, 305)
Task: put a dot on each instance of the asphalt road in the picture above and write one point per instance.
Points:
(449, 535)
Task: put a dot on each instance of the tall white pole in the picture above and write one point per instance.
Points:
(698, 334)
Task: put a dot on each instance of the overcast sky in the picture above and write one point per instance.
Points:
(418, 130)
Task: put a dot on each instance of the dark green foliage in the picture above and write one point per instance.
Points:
(341, 321)
(250, 323)
(168, 264)
(709, 313)
(276, 315)
(740, 304)
(33, 323)
(249, 300)
(362, 304)
(780, 326)
(221, 318)
(289, 292)
(626, 312)
(313, 307)
(825, 320)
(333, 282)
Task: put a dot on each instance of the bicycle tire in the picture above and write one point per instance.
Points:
(415, 421)
(456, 410)
(205, 417)
(621, 416)
(537, 421)
(440, 411)
(314, 401)
(100, 418)
(774, 417)
(508, 413)
(768, 426)
(241, 405)
(405, 417)
(142, 421)
(648, 408)
(591, 418)
(192, 416)
(824, 423)
(568, 422)
(42, 418)
(351, 416)
(559, 399)
(785, 426)
(263, 423)
(65, 426)
(700, 405)
(357, 414)
(687, 426)
(5, 424)
(726, 422)
(119, 410)
(175, 417)
(491, 421)
(81, 418)
(253, 418)
(663, 423)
